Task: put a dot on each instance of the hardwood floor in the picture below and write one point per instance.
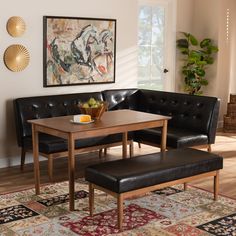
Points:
(12, 179)
(226, 147)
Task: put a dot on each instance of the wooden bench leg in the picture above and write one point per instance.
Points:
(22, 161)
(120, 209)
(216, 185)
(139, 145)
(91, 199)
(50, 167)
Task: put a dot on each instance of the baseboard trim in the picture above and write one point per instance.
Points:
(6, 162)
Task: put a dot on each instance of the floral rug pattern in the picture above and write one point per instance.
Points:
(166, 212)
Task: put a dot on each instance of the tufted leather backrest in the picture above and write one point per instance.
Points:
(187, 111)
(196, 113)
(121, 98)
(47, 106)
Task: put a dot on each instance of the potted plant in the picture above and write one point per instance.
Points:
(197, 56)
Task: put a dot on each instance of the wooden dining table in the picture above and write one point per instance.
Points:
(112, 122)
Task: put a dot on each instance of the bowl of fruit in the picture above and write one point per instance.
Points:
(94, 108)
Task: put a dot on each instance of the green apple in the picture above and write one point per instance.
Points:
(85, 105)
(91, 101)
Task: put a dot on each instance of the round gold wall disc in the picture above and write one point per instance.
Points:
(16, 26)
(16, 57)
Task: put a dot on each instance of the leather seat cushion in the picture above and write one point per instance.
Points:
(51, 144)
(176, 137)
(147, 170)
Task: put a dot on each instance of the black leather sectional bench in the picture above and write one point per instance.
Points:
(193, 123)
(138, 175)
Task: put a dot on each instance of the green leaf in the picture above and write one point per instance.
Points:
(210, 60)
(182, 43)
(198, 93)
(201, 63)
(191, 61)
(195, 55)
(190, 76)
(185, 34)
(187, 80)
(205, 43)
(200, 72)
(184, 51)
(193, 40)
(204, 82)
(194, 84)
(214, 49)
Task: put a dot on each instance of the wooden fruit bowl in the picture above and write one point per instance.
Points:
(95, 113)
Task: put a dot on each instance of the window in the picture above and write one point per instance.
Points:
(154, 39)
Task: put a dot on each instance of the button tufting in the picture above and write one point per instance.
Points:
(50, 105)
(199, 104)
(35, 106)
(117, 98)
(153, 98)
(199, 116)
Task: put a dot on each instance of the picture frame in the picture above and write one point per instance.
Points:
(78, 51)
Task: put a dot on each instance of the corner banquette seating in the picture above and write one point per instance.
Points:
(193, 123)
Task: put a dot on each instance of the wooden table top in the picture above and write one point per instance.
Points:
(111, 122)
(109, 119)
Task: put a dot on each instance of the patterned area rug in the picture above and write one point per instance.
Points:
(169, 211)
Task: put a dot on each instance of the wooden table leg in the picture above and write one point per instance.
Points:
(71, 169)
(164, 136)
(124, 144)
(185, 186)
(131, 148)
(35, 140)
(91, 199)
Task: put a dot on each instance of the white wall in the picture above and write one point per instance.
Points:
(232, 35)
(30, 81)
(212, 23)
(207, 19)
(185, 12)
(206, 25)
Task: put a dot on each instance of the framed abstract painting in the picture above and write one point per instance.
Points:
(78, 51)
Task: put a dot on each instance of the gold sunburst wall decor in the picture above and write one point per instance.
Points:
(16, 26)
(16, 57)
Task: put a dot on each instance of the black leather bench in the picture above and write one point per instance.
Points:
(138, 175)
